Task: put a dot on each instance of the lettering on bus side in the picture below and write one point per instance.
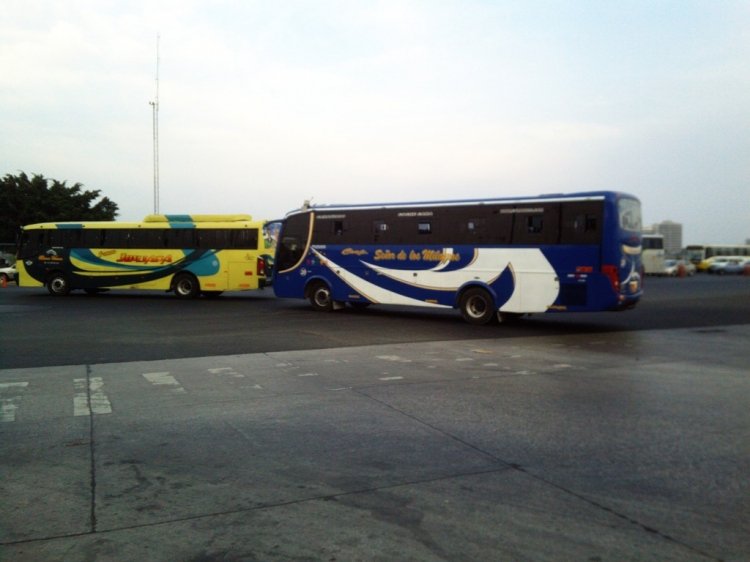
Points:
(416, 255)
(136, 258)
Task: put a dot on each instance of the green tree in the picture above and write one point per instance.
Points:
(25, 200)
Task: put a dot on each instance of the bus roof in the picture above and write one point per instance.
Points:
(552, 197)
(197, 218)
(152, 221)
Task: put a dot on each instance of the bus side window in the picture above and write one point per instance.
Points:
(581, 223)
(330, 231)
(179, 238)
(91, 238)
(115, 238)
(534, 224)
(72, 238)
(379, 229)
(473, 230)
(245, 239)
(53, 239)
(537, 225)
(138, 239)
(212, 238)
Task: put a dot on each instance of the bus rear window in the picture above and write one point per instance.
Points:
(630, 214)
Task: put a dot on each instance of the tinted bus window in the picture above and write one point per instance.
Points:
(115, 238)
(245, 238)
(581, 223)
(179, 238)
(536, 225)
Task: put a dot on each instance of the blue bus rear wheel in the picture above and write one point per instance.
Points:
(477, 306)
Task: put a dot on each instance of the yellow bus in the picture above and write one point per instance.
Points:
(191, 255)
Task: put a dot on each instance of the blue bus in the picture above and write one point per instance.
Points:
(493, 259)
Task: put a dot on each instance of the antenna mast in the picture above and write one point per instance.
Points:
(155, 112)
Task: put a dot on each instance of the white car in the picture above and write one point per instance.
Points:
(8, 273)
(672, 267)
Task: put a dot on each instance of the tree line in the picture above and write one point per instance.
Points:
(29, 200)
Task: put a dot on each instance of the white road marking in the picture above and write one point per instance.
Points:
(4, 385)
(9, 404)
(226, 371)
(394, 358)
(463, 359)
(391, 378)
(309, 375)
(490, 365)
(94, 394)
(165, 379)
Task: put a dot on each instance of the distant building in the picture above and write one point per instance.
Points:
(672, 233)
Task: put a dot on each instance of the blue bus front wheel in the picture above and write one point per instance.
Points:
(320, 297)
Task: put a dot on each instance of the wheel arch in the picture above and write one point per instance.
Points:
(473, 285)
(313, 281)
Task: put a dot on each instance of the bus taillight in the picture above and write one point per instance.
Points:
(261, 267)
(611, 272)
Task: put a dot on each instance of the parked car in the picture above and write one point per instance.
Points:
(729, 266)
(706, 264)
(8, 274)
(672, 267)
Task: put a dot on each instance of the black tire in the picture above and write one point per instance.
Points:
(320, 297)
(477, 306)
(186, 286)
(58, 285)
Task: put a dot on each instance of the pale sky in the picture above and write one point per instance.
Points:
(264, 104)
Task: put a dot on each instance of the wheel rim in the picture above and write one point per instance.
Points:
(476, 307)
(184, 287)
(58, 285)
(322, 297)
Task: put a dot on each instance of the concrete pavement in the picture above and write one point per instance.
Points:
(619, 446)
